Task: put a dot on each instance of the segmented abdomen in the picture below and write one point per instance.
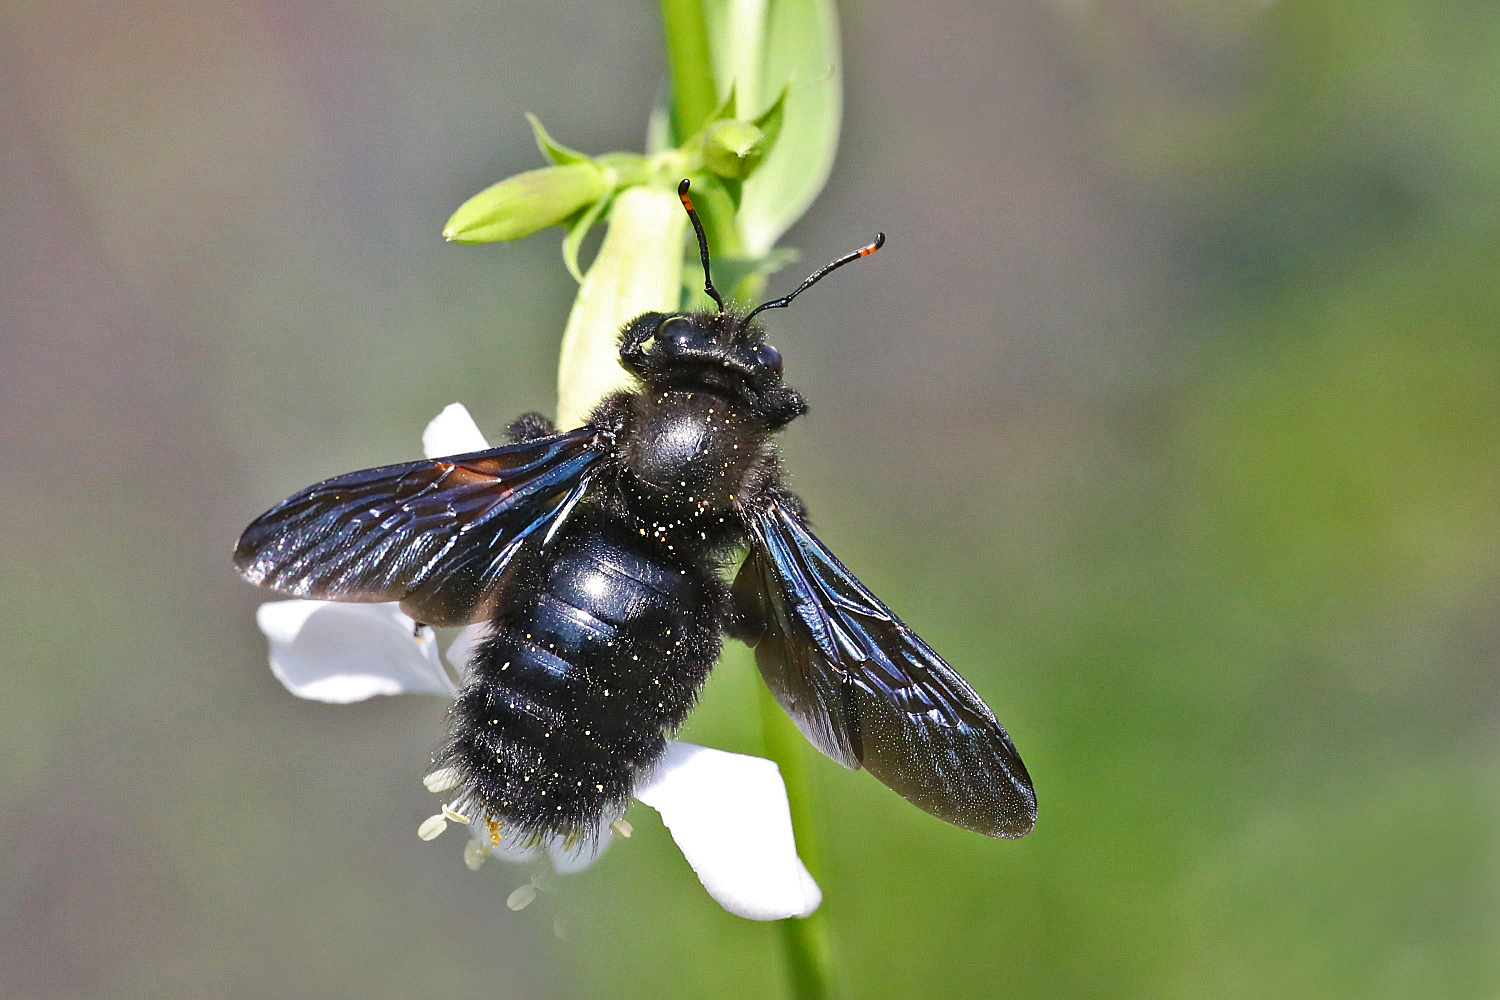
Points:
(585, 669)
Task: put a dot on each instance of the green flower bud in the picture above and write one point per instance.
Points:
(733, 148)
(519, 206)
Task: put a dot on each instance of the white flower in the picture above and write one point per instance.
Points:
(727, 812)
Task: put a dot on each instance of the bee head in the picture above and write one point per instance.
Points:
(674, 344)
(715, 350)
(724, 349)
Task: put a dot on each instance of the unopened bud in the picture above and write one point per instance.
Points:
(733, 148)
(519, 206)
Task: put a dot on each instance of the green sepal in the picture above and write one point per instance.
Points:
(578, 229)
(769, 121)
(551, 148)
(524, 203)
(724, 110)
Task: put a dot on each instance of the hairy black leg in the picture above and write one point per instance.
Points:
(529, 427)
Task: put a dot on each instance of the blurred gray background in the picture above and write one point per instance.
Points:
(1169, 414)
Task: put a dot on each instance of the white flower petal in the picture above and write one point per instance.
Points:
(729, 815)
(452, 432)
(350, 652)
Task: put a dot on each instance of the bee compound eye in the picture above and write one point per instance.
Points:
(675, 333)
(768, 357)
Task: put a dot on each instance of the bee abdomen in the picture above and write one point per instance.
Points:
(570, 697)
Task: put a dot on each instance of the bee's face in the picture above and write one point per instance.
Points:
(690, 339)
(716, 351)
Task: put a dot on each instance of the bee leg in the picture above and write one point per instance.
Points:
(746, 620)
(529, 427)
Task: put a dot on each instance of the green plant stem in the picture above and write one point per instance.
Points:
(690, 65)
(694, 98)
(809, 952)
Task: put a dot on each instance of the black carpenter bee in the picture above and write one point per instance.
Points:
(595, 554)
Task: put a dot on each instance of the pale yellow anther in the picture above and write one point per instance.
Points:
(622, 827)
(444, 779)
(474, 855)
(432, 827)
(522, 897)
(454, 814)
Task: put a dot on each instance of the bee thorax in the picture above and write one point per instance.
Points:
(696, 446)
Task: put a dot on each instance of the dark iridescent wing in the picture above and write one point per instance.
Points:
(435, 535)
(867, 691)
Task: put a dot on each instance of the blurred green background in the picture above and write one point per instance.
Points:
(1170, 415)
